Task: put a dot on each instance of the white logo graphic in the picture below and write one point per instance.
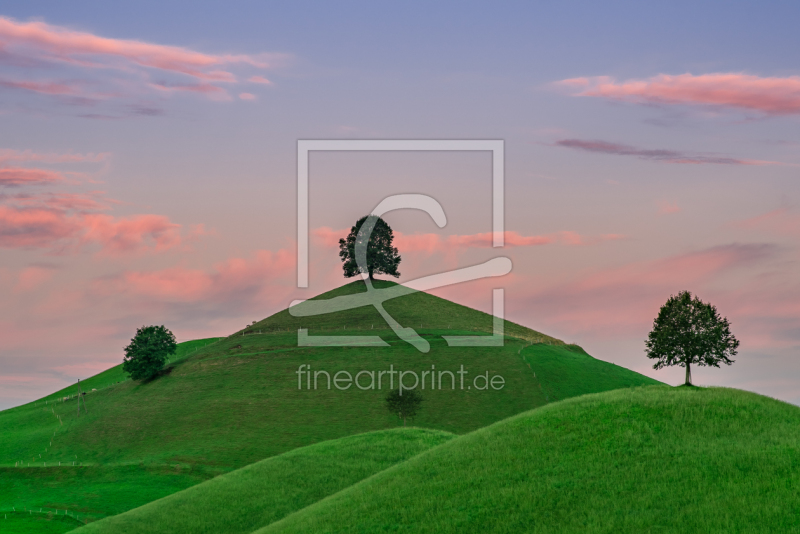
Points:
(376, 297)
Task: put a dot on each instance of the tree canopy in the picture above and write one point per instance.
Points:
(689, 331)
(381, 256)
(404, 404)
(148, 351)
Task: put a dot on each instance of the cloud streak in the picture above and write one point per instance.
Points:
(18, 176)
(661, 155)
(18, 156)
(56, 229)
(780, 221)
(667, 208)
(432, 243)
(37, 45)
(70, 222)
(235, 279)
(768, 95)
(38, 40)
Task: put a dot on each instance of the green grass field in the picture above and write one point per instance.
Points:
(653, 459)
(262, 493)
(40, 523)
(231, 403)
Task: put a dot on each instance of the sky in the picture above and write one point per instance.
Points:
(148, 168)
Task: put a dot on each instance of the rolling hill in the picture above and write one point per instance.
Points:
(266, 491)
(231, 403)
(654, 459)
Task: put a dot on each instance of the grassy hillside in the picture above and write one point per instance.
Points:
(264, 492)
(652, 459)
(40, 523)
(232, 403)
(564, 374)
(115, 375)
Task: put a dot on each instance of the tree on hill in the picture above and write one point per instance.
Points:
(404, 404)
(688, 331)
(148, 351)
(381, 256)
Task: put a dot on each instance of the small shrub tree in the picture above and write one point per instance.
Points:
(382, 257)
(148, 351)
(404, 404)
(688, 331)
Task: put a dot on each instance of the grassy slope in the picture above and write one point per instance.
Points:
(653, 459)
(564, 374)
(115, 375)
(26, 523)
(236, 402)
(91, 492)
(267, 491)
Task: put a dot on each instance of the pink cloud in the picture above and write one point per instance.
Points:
(512, 239)
(81, 202)
(10, 155)
(66, 222)
(57, 229)
(35, 227)
(234, 277)
(328, 237)
(55, 43)
(43, 87)
(259, 79)
(780, 222)
(770, 95)
(77, 202)
(428, 243)
(431, 243)
(16, 176)
(130, 234)
(667, 208)
(247, 96)
(39, 45)
(32, 277)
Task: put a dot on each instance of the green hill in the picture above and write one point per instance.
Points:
(264, 492)
(653, 459)
(228, 404)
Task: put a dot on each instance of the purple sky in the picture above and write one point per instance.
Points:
(147, 168)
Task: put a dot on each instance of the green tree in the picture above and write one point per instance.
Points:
(688, 331)
(404, 404)
(148, 351)
(381, 256)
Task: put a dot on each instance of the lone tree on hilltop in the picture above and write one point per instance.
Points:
(382, 257)
(404, 404)
(688, 331)
(148, 352)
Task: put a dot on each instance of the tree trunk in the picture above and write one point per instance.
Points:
(688, 375)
